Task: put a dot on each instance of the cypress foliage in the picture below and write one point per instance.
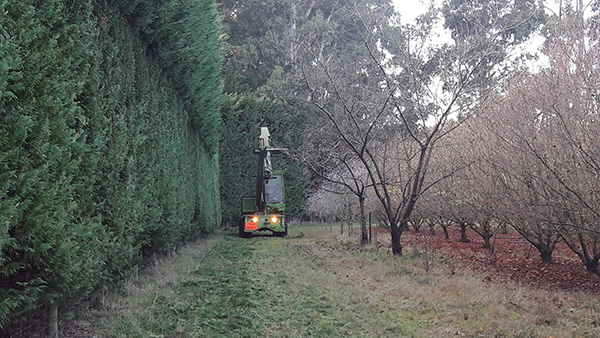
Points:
(242, 117)
(185, 35)
(108, 142)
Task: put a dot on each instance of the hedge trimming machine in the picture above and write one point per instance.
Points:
(264, 211)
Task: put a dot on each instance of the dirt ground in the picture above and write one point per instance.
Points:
(512, 259)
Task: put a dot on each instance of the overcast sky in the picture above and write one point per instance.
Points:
(409, 9)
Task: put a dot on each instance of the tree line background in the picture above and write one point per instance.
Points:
(109, 131)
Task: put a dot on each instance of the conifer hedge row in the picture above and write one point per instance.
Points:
(109, 129)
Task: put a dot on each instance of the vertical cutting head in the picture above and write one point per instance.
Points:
(263, 141)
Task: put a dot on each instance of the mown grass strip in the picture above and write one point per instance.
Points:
(218, 299)
(310, 294)
(221, 300)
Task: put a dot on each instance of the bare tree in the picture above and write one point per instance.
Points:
(547, 149)
(396, 107)
(471, 192)
(337, 167)
(332, 206)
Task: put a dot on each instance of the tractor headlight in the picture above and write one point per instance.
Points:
(274, 219)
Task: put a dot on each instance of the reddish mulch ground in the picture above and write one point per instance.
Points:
(516, 261)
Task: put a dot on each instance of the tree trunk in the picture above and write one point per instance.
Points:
(396, 231)
(486, 240)
(364, 234)
(432, 228)
(579, 245)
(53, 320)
(546, 255)
(485, 231)
(445, 228)
(592, 266)
(463, 233)
(370, 232)
(416, 225)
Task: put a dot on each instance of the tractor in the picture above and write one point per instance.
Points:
(264, 211)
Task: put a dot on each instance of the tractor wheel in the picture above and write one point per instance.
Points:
(283, 233)
(242, 232)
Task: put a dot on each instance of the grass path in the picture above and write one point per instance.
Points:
(318, 284)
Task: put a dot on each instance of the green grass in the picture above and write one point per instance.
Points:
(311, 297)
(218, 299)
(316, 283)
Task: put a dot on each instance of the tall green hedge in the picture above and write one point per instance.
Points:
(109, 129)
(242, 117)
(184, 36)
